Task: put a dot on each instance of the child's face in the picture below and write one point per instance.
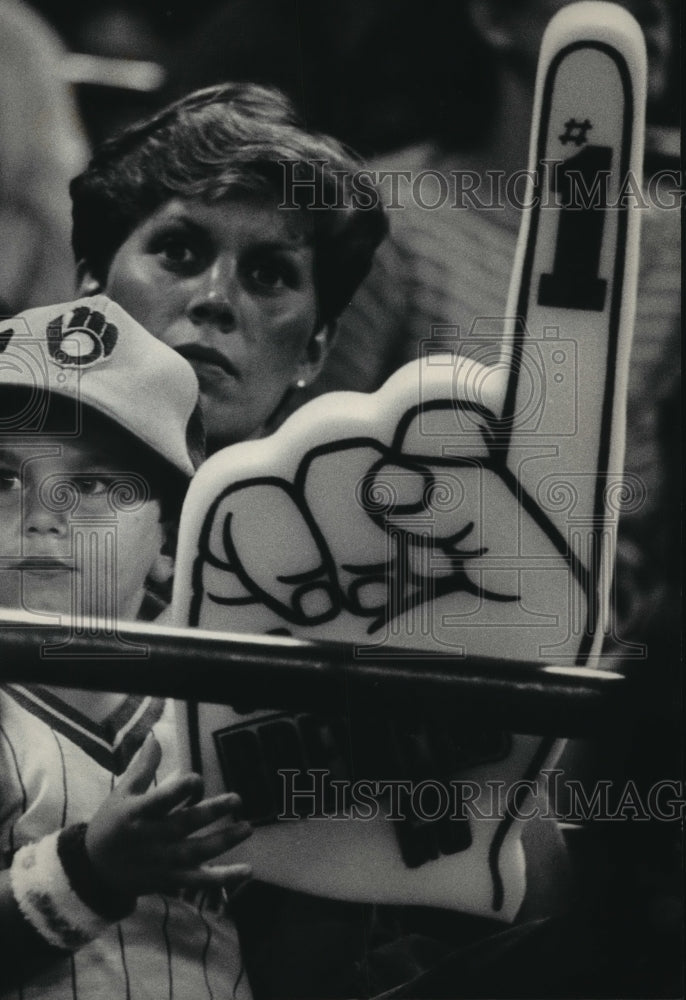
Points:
(70, 542)
(229, 285)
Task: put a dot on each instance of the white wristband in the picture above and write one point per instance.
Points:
(47, 900)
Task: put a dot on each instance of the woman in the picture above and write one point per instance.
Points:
(233, 235)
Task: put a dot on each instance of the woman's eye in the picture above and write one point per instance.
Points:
(176, 251)
(272, 276)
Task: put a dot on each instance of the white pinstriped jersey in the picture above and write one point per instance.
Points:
(56, 767)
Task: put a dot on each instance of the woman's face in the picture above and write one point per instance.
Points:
(230, 286)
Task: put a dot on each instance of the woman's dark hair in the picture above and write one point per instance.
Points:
(235, 138)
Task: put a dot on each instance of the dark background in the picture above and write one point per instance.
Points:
(377, 73)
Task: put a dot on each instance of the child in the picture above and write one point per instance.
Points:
(98, 438)
(235, 236)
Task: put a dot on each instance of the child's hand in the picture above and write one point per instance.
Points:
(139, 841)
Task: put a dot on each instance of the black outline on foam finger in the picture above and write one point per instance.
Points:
(605, 428)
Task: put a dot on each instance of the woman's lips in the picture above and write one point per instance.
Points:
(207, 362)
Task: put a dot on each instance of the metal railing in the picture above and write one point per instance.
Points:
(290, 674)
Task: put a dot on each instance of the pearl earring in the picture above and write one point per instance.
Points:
(301, 383)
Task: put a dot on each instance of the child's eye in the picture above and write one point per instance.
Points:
(91, 486)
(269, 276)
(9, 481)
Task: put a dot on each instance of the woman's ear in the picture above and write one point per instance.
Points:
(162, 570)
(86, 283)
(513, 28)
(492, 23)
(316, 354)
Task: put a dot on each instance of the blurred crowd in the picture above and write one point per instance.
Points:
(379, 74)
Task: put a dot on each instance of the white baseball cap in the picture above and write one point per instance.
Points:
(93, 352)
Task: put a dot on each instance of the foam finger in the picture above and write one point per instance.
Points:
(195, 850)
(573, 293)
(573, 288)
(205, 876)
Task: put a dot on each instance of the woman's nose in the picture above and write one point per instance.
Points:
(214, 300)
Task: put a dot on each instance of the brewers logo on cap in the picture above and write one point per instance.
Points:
(93, 352)
(80, 339)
